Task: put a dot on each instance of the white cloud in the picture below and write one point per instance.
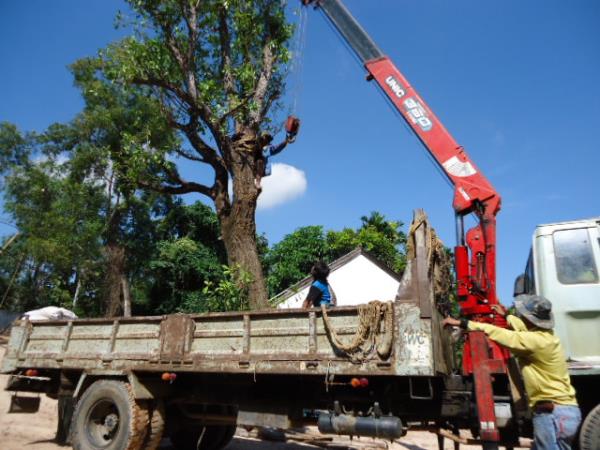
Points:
(285, 184)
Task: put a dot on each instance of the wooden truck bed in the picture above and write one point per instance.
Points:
(274, 341)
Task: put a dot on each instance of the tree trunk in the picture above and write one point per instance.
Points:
(115, 268)
(239, 236)
(115, 256)
(77, 289)
(12, 279)
(126, 296)
(237, 218)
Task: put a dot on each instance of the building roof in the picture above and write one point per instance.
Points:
(338, 263)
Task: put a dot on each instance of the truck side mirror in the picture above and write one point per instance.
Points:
(519, 285)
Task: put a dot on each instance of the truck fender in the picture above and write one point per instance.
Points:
(88, 377)
(140, 390)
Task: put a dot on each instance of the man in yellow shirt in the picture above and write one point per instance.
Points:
(543, 365)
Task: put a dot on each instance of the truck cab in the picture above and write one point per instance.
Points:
(564, 267)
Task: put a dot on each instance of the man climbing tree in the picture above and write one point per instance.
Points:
(217, 68)
(267, 149)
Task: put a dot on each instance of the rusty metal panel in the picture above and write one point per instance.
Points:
(141, 338)
(9, 362)
(414, 343)
(273, 342)
(176, 333)
(218, 337)
(269, 335)
(88, 337)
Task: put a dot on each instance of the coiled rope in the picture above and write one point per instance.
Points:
(374, 331)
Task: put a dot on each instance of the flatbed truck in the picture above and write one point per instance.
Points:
(370, 370)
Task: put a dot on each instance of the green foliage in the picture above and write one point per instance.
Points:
(57, 218)
(179, 270)
(197, 222)
(291, 259)
(224, 46)
(14, 147)
(381, 237)
(229, 294)
(214, 67)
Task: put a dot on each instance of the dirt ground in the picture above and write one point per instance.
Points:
(36, 432)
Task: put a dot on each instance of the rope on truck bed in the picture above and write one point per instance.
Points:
(369, 335)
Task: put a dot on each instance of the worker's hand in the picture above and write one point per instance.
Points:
(499, 309)
(451, 322)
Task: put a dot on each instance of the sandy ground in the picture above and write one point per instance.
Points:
(36, 432)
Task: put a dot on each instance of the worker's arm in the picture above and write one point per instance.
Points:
(275, 149)
(517, 341)
(522, 342)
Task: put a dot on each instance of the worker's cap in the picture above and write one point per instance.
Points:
(536, 309)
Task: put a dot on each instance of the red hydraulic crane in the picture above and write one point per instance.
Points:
(475, 251)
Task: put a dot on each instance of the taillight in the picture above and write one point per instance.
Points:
(168, 376)
(359, 382)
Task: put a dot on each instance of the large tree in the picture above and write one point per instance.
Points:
(217, 68)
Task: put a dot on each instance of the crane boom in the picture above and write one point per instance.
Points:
(475, 251)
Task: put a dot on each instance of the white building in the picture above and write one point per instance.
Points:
(357, 277)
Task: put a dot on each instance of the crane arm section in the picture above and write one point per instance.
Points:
(475, 252)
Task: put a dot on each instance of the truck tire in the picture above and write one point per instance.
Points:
(228, 435)
(589, 435)
(156, 427)
(214, 437)
(107, 417)
(66, 404)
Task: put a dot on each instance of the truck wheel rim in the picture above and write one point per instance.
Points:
(102, 423)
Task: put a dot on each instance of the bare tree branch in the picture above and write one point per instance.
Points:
(263, 81)
(225, 39)
(187, 187)
(268, 102)
(9, 242)
(189, 13)
(188, 155)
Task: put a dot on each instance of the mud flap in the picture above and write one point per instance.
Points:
(24, 405)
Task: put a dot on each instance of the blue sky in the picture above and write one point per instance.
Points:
(516, 83)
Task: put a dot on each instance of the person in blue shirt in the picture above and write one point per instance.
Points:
(320, 292)
(268, 150)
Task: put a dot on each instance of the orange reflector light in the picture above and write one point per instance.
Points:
(31, 373)
(355, 382)
(167, 376)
